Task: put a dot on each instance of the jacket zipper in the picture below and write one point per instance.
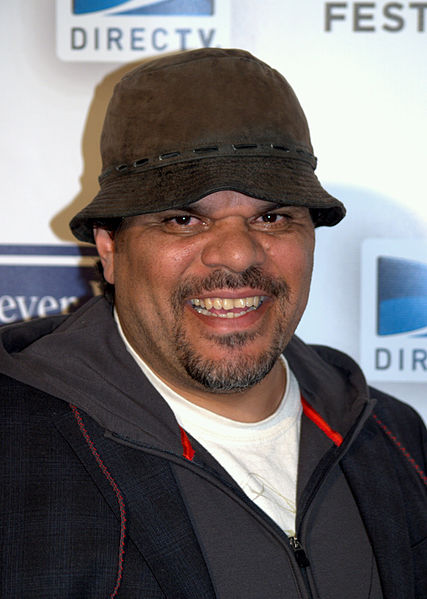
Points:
(299, 553)
(302, 561)
(297, 550)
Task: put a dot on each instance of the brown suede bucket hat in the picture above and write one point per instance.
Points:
(186, 125)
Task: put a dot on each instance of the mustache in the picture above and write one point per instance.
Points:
(253, 278)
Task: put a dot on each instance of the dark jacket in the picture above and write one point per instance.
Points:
(103, 495)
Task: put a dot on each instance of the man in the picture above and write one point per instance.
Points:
(161, 446)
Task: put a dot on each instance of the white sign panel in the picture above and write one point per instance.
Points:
(394, 310)
(124, 31)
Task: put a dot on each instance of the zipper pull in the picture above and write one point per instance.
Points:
(300, 555)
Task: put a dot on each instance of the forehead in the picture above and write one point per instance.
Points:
(222, 200)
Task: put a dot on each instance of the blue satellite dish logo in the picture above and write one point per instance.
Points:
(402, 296)
(147, 7)
(128, 30)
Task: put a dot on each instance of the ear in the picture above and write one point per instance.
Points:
(105, 246)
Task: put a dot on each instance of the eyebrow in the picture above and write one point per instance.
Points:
(197, 211)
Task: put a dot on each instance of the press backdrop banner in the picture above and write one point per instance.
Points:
(359, 71)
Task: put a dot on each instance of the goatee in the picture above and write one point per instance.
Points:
(240, 372)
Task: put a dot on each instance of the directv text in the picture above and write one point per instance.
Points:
(400, 359)
(139, 39)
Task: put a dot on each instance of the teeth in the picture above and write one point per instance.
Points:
(227, 304)
(228, 315)
(204, 305)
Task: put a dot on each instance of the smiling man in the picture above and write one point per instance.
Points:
(174, 439)
(210, 296)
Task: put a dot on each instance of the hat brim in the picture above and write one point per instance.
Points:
(283, 181)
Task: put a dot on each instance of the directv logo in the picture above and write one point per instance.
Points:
(125, 30)
(402, 297)
(394, 310)
(40, 281)
(150, 7)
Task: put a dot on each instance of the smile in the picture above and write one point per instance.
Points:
(227, 307)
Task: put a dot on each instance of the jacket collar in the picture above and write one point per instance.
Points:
(99, 376)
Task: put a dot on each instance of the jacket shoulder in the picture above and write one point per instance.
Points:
(29, 415)
(20, 398)
(404, 427)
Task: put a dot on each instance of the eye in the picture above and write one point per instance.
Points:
(182, 219)
(271, 221)
(271, 217)
(183, 223)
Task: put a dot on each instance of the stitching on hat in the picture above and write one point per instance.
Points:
(245, 146)
(169, 155)
(206, 149)
(282, 148)
(140, 162)
(290, 149)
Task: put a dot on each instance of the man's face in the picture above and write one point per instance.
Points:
(210, 296)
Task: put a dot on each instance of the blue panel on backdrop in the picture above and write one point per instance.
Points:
(402, 295)
(81, 7)
(155, 7)
(39, 281)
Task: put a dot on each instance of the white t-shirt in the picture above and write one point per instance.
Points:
(262, 457)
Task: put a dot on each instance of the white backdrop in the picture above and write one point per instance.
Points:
(363, 87)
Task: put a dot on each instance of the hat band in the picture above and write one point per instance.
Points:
(283, 150)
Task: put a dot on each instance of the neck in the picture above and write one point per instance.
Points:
(252, 405)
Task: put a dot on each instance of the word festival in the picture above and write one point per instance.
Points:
(370, 17)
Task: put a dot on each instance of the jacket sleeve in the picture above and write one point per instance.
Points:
(405, 429)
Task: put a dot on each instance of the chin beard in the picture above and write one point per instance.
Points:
(236, 375)
(240, 372)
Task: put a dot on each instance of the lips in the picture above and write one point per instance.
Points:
(226, 307)
(227, 295)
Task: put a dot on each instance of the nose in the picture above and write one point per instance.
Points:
(231, 244)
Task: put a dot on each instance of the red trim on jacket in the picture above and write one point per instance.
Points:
(402, 448)
(188, 451)
(319, 422)
(117, 492)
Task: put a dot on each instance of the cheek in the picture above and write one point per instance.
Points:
(149, 271)
(294, 263)
(130, 270)
(306, 263)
